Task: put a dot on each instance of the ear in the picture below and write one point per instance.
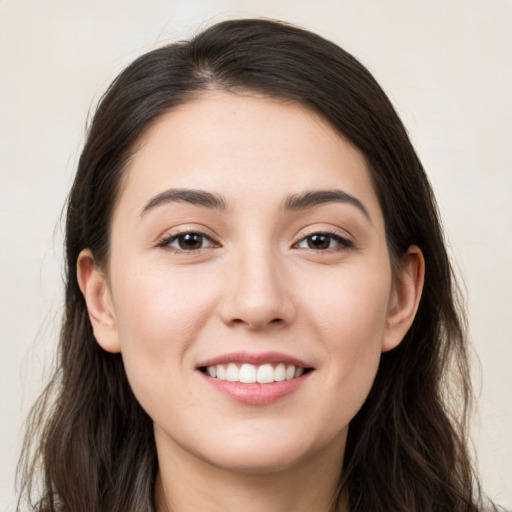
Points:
(95, 289)
(405, 297)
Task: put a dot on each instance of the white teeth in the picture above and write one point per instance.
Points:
(280, 372)
(249, 373)
(265, 374)
(232, 373)
(221, 372)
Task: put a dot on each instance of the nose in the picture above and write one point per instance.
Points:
(257, 293)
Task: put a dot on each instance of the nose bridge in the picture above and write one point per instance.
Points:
(257, 294)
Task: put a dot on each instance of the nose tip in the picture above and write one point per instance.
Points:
(254, 319)
(257, 298)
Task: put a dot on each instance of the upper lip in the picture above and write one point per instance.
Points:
(254, 358)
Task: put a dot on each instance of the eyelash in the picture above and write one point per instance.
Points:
(343, 243)
(167, 241)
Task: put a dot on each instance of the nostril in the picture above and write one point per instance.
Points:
(257, 323)
(273, 321)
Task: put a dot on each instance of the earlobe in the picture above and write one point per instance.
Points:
(405, 298)
(95, 289)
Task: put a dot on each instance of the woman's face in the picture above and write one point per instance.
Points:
(247, 244)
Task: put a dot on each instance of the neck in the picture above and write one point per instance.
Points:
(186, 483)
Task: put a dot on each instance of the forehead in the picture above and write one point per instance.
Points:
(248, 148)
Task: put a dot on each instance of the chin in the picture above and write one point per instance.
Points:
(257, 460)
(269, 453)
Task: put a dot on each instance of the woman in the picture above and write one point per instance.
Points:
(260, 311)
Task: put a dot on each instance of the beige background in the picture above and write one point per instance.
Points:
(447, 66)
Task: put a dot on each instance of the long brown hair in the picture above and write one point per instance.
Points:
(89, 445)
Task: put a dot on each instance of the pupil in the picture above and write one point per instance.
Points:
(318, 242)
(191, 241)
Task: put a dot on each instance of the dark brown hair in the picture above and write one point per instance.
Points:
(407, 446)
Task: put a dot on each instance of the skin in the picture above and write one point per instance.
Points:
(254, 285)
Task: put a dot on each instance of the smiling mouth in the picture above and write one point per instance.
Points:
(247, 373)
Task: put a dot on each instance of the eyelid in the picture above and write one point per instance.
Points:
(344, 239)
(165, 240)
(345, 242)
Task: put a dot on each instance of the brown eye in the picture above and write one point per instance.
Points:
(189, 242)
(324, 241)
(319, 241)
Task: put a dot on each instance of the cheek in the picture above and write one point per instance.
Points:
(159, 315)
(349, 315)
(155, 306)
(351, 305)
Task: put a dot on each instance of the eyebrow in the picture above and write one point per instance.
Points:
(294, 202)
(187, 195)
(314, 198)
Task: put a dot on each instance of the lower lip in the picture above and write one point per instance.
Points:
(256, 394)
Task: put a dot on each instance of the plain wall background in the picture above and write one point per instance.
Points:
(446, 65)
